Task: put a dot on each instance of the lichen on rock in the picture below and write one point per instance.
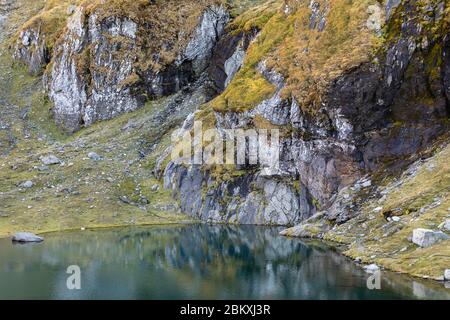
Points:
(113, 56)
(340, 101)
(33, 44)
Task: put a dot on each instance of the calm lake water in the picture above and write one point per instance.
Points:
(192, 262)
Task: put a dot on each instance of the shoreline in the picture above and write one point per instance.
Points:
(339, 247)
(103, 227)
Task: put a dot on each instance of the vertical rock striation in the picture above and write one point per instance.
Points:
(375, 116)
(106, 62)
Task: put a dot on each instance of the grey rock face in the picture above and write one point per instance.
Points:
(32, 50)
(210, 28)
(426, 238)
(94, 79)
(253, 199)
(316, 160)
(233, 64)
(228, 57)
(26, 237)
(81, 98)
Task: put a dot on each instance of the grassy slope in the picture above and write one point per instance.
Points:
(82, 193)
(423, 198)
(309, 59)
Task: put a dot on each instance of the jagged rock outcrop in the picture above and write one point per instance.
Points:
(375, 116)
(250, 199)
(33, 43)
(110, 60)
(31, 49)
(85, 91)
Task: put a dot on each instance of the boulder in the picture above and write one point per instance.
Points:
(447, 275)
(50, 160)
(94, 156)
(26, 237)
(445, 226)
(26, 184)
(426, 237)
(371, 268)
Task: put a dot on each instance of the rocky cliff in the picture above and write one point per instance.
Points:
(354, 89)
(358, 92)
(111, 57)
(370, 111)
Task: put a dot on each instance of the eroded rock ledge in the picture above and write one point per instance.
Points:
(94, 75)
(357, 95)
(372, 120)
(110, 60)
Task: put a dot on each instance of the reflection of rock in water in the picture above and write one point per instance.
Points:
(201, 261)
(420, 291)
(414, 288)
(423, 292)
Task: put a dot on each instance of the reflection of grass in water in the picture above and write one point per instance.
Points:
(389, 242)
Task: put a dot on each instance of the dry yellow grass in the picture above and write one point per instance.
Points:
(51, 20)
(388, 243)
(164, 27)
(309, 59)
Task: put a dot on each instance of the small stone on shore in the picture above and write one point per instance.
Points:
(26, 237)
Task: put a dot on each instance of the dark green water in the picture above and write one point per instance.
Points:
(192, 262)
